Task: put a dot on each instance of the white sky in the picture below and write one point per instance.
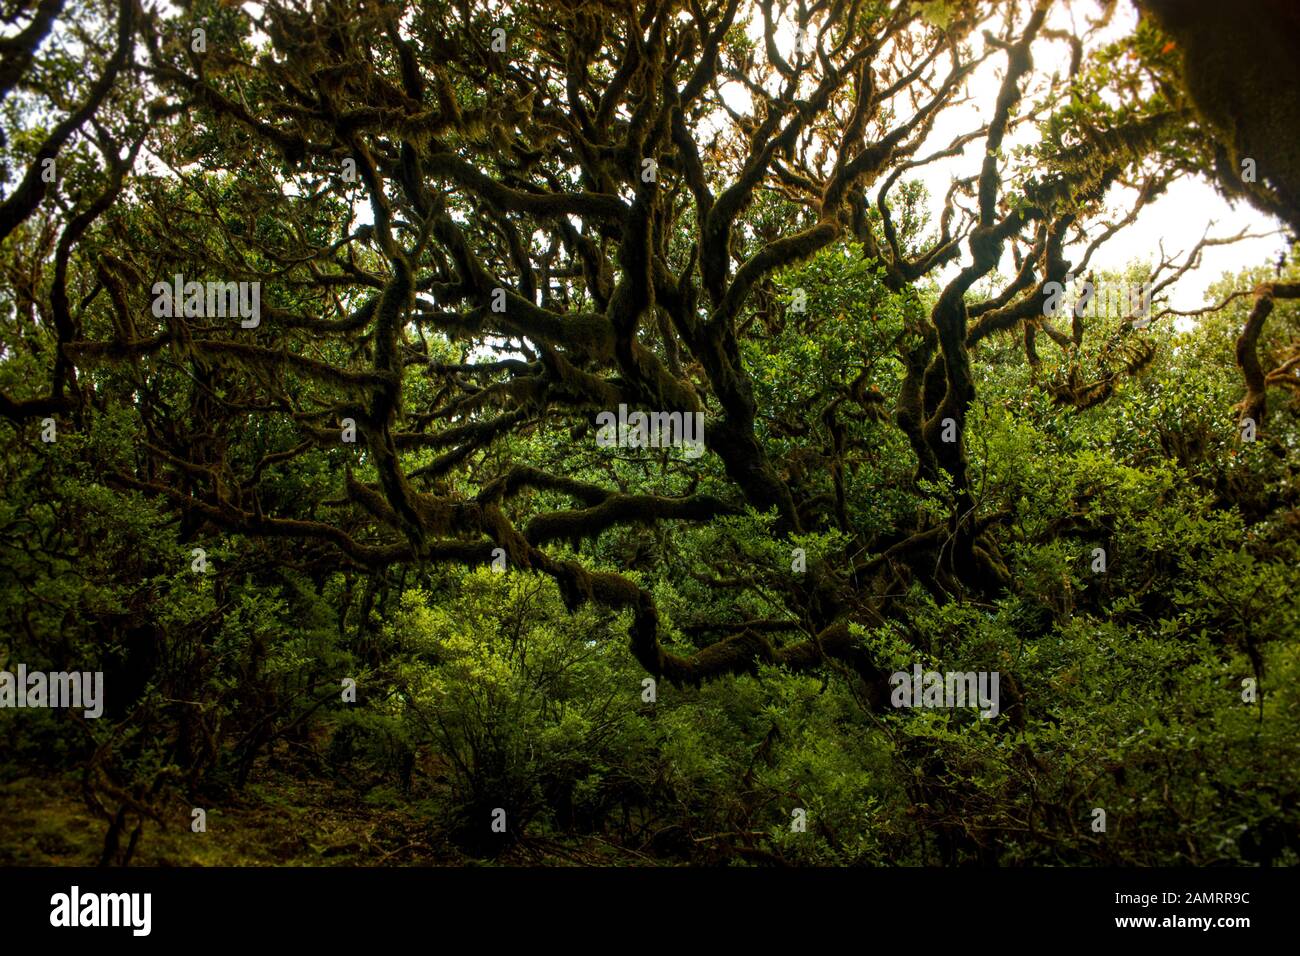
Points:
(1178, 218)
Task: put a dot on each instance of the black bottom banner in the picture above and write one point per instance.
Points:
(337, 906)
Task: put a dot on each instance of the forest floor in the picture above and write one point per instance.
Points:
(279, 819)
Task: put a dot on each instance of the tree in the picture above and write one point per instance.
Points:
(353, 285)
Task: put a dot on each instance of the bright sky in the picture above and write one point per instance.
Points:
(1177, 219)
